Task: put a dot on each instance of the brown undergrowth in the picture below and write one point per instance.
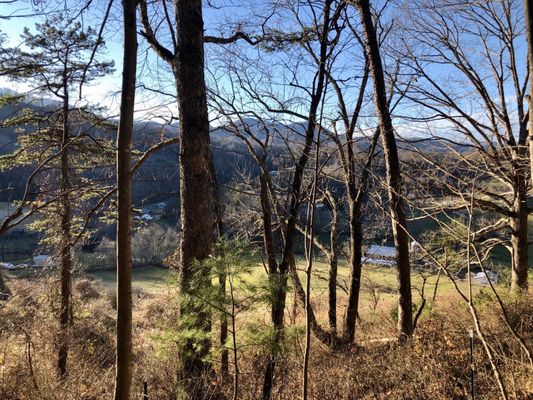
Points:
(435, 364)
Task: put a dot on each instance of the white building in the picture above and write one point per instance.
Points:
(41, 260)
(147, 217)
(380, 255)
(481, 279)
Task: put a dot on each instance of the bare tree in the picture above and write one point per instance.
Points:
(476, 110)
(394, 178)
(342, 126)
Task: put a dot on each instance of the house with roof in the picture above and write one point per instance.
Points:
(386, 255)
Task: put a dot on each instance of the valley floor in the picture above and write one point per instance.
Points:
(435, 364)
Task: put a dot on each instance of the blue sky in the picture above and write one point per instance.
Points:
(222, 19)
(22, 13)
(23, 16)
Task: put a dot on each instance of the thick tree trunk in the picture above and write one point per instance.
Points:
(124, 198)
(522, 278)
(519, 243)
(266, 209)
(195, 191)
(65, 239)
(278, 288)
(355, 198)
(197, 236)
(332, 293)
(394, 182)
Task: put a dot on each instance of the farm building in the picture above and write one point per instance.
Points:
(386, 255)
(381, 255)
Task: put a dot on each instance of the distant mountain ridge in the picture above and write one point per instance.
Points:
(158, 177)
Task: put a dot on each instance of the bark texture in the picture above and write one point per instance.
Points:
(65, 237)
(394, 182)
(519, 242)
(528, 14)
(187, 61)
(333, 263)
(124, 196)
(195, 191)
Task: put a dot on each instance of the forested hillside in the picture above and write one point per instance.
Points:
(325, 199)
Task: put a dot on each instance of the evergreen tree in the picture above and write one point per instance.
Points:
(56, 61)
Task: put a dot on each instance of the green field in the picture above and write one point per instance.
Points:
(145, 278)
(375, 280)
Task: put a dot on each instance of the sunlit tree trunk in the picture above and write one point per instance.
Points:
(124, 197)
(195, 191)
(528, 13)
(519, 242)
(65, 257)
(333, 263)
(394, 181)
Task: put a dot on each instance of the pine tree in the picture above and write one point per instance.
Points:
(55, 62)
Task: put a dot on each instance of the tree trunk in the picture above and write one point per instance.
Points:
(124, 198)
(355, 198)
(333, 264)
(223, 337)
(5, 293)
(277, 282)
(394, 182)
(332, 293)
(195, 191)
(519, 242)
(278, 288)
(528, 13)
(327, 338)
(356, 239)
(266, 209)
(65, 239)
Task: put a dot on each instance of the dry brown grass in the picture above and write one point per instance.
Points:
(435, 364)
